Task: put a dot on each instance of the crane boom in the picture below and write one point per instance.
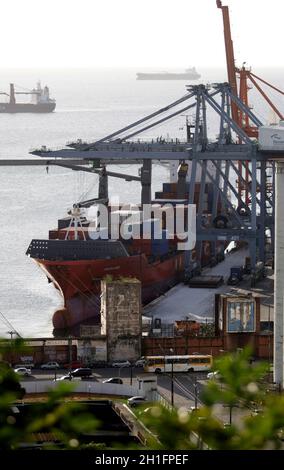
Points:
(230, 57)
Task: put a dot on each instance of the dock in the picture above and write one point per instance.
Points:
(192, 303)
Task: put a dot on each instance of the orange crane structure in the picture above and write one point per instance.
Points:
(244, 75)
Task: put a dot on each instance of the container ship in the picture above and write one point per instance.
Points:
(40, 101)
(188, 74)
(76, 263)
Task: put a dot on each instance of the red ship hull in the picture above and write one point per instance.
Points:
(79, 282)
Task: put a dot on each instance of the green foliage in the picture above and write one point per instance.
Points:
(240, 386)
(240, 380)
(67, 422)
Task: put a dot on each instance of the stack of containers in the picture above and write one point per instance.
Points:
(160, 246)
(170, 193)
(137, 245)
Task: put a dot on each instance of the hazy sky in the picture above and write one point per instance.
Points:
(177, 33)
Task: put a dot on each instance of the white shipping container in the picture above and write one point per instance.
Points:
(271, 137)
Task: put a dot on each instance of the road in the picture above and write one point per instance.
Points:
(186, 385)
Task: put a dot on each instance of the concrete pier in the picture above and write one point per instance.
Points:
(279, 275)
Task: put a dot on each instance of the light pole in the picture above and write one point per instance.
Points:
(230, 415)
(11, 353)
(163, 351)
(172, 371)
(172, 384)
(231, 406)
(70, 355)
(195, 393)
(11, 333)
(172, 380)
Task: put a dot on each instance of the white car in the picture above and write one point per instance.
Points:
(113, 380)
(66, 377)
(50, 365)
(121, 364)
(28, 365)
(136, 401)
(23, 371)
(214, 375)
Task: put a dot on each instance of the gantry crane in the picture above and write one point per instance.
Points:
(241, 118)
(244, 74)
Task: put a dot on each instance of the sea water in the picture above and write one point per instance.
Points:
(90, 104)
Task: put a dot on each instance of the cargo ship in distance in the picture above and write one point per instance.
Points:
(188, 74)
(40, 101)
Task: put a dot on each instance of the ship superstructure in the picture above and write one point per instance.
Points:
(40, 101)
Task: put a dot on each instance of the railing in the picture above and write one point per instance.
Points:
(160, 398)
(45, 149)
(157, 396)
(141, 141)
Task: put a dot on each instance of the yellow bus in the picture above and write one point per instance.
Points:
(189, 363)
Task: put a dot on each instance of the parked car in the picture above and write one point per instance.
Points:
(23, 371)
(81, 372)
(140, 363)
(214, 375)
(67, 377)
(136, 401)
(121, 364)
(50, 365)
(28, 365)
(113, 380)
(63, 377)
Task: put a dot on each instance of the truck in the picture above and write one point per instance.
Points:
(236, 275)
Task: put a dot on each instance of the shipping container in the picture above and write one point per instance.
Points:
(141, 246)
(160, 246)
(159, 250)
(53, 234)
(271, 137)
(63, 223)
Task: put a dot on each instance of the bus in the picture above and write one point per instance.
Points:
(189, 363)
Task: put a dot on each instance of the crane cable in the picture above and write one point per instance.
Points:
(9, 324)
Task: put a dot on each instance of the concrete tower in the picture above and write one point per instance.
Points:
(279, 275)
